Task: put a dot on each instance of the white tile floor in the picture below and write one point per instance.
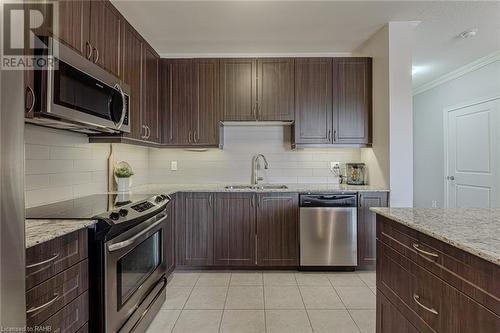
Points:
(272, 302)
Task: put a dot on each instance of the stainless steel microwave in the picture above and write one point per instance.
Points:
(78, 95)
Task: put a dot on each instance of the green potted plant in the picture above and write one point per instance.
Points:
(123, 172)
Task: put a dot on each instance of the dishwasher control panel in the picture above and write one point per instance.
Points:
(328, 200)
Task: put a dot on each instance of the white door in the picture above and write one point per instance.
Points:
(472, 156)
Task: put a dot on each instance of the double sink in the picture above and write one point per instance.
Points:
(257, 187)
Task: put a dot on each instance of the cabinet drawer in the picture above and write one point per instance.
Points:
(84, 329)
(427, 301)
(471, 275)
(70, 318)
(45, 260)
(390, 320)
(50, 296)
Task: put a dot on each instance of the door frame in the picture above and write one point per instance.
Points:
(446, 112)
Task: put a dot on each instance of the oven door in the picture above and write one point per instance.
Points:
(135, 265)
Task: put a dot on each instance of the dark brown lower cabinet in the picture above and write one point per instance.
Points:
(277, 229)
(194, 229)
(234, 229)
(367, 245)
(390, 320)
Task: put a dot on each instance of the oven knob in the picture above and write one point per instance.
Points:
(158, 199)
(114, 216)
(123, 212)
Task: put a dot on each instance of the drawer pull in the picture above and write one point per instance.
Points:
(432, 254)
(431, 310)
(55, 298)
(54, 257)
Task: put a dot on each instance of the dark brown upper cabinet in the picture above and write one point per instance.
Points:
(275, 98)
(313, 101)
(238, 89)
(277, 229)
(234, 229)
(73, 24)
(190, 101)
(352, 95)
(150, 112)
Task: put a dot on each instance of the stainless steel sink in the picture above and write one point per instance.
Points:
(257, 187)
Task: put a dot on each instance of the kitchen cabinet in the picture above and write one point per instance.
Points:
(313, 101)
(234, 229)
(194, 229)
(275, 82)
(150, 113)
(73, 25)
(238, 89)
(190, 101)
(352, 98)
(277, 229)
(367, 227)
(391, 320)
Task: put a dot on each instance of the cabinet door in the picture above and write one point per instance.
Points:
(132, 75)
(238, 88)
(352, 91)
(150, 112)
(313, 100)
(194, 229)
(277, 229)
(234, 229)
(105, 35)
(367, 227)
(73, 25)
(205, 115)
(275, 81)
(177, 88)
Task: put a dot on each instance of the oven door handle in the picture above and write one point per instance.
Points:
(131, 240)
(164, 281)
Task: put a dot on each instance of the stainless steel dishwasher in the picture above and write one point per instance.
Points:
(328, 230)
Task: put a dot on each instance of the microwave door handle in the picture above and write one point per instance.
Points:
(124, 109)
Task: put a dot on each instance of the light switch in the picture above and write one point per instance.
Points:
(173, 166)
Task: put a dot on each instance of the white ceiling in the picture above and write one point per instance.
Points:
(211, 28)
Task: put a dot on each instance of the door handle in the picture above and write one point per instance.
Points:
(452, 178)
(89, 50)
(44, 305)
(97, 55)
(334, 135)
(329, 135)
(54, 257)
(416, 298)
(189, 136)
(195, 134)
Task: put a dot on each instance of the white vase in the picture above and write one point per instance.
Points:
(123, 184)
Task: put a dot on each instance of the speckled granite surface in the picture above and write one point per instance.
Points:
(39, 231)
(172, 188)
(473, 230)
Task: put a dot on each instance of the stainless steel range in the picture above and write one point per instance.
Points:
(126, 257)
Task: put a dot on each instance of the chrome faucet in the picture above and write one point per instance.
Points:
(255, 178)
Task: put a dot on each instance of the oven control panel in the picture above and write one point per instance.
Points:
(140, 207)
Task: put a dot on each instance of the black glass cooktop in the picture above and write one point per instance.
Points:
(84, 207)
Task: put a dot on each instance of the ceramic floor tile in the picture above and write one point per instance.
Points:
(365, 319)
(184, 279)
(245, 297)
(279, 279)
(214, 279)
(164, 321)
(246, 279)
(243, 321)
(345, 280)
(282, 297)
(320, 298)
(357, 297)
(312, 279)
(207, 298)
(368, 277)
(287, 321)
(199, 321)
(176, 297)
(328, 321)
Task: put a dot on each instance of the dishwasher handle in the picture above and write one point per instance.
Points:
(328, 200)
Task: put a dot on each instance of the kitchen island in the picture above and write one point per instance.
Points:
(438, 270)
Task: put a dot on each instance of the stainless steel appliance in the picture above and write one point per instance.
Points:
(127, 258)
(328, 230)
(80, 96)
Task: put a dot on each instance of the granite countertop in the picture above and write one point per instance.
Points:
(172, 188)
(39, 231)
(474, 230)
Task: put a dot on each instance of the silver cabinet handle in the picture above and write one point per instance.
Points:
(148, 131)
(330, 135)
(97, 55)
(450, 178)
(30, 91)
(431, 254)
(131, 240)
(431, 310)
(189, 136)
(334, 135)
(89, 50)
(54, 257)
(44, 305)
(143, 136)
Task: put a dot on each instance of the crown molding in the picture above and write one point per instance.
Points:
(470, 67)
(254, 55)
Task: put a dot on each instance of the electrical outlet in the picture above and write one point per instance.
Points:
(334, 165)
(434, 204)
(173, 166)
